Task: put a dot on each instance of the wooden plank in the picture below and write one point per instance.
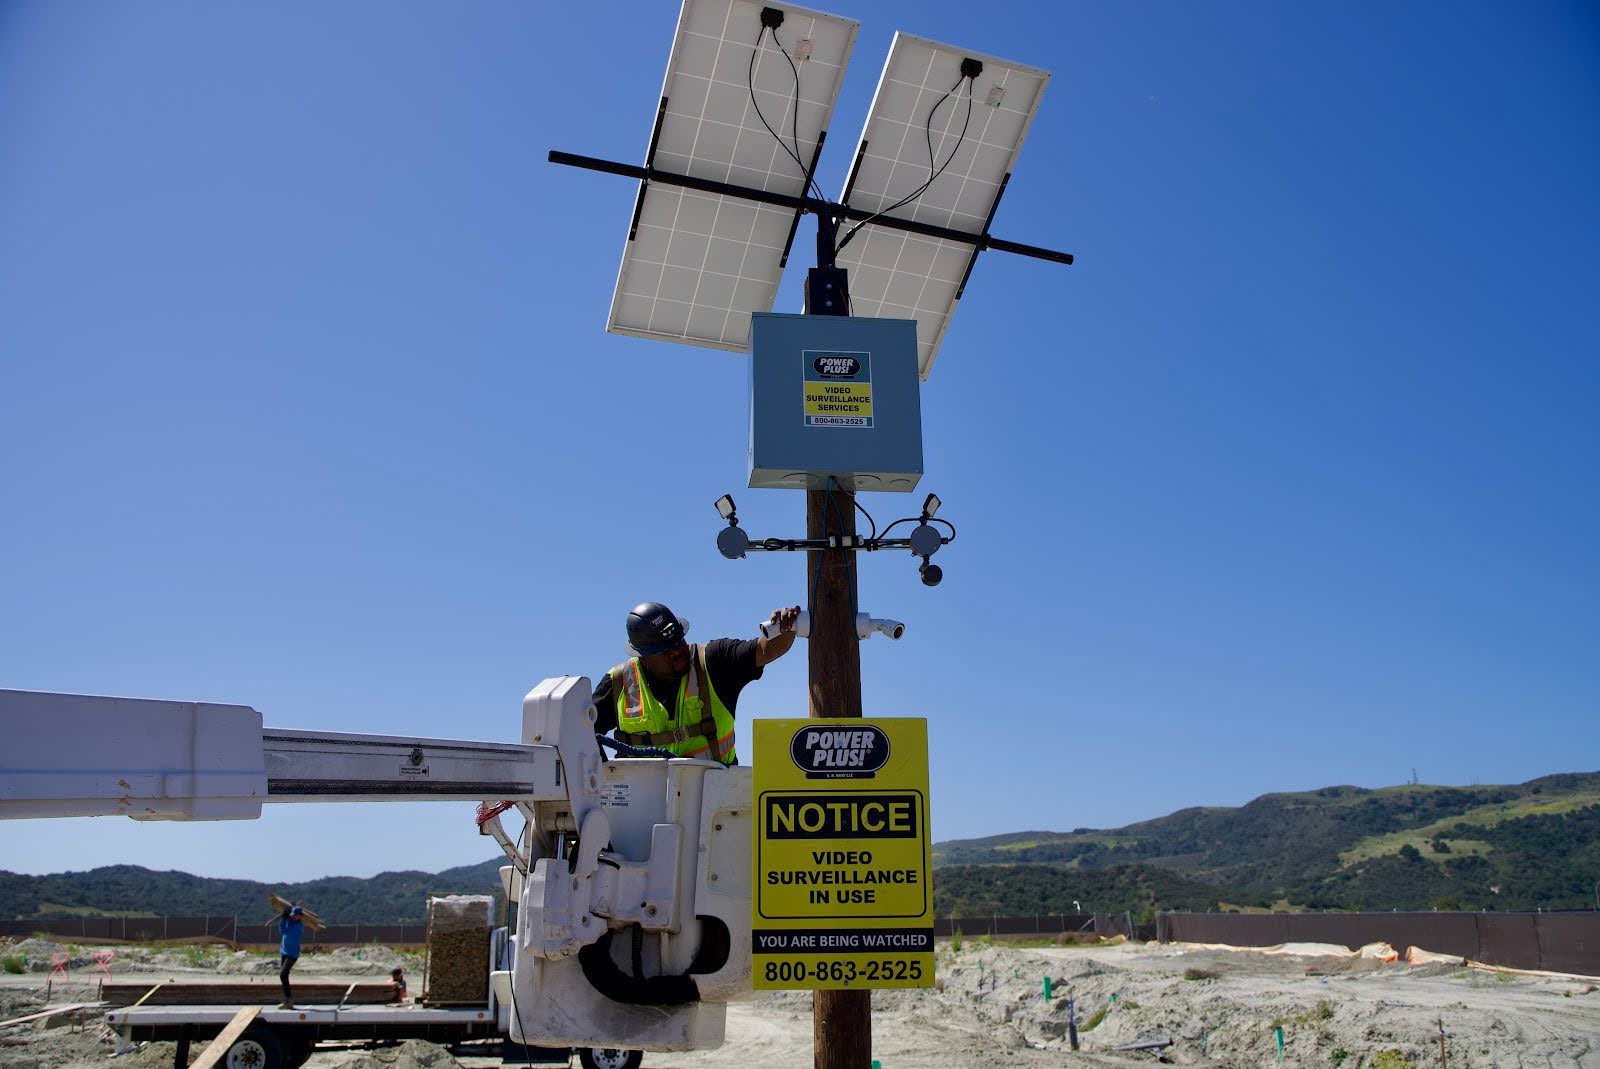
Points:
(219, 1046)
(142, 997)
(50, 1012)
(313, 921)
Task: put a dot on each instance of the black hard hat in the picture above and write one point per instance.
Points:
(652, 629)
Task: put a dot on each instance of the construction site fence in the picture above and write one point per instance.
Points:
(230, 930)
(1558, 942)
(198, 929)
(1045, 925)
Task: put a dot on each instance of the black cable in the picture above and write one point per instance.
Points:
(934, 174)
(628, 749)
(947, 523)
(527, 831)
(850, 560)
(794, 129)
(750, 84)
(897, 523)
(863, 510)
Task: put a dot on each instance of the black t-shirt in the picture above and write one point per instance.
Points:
(730, 662)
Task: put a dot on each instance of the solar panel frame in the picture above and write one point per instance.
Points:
(910, 276)
(697, 264)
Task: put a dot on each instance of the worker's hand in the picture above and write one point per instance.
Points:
(785, 618)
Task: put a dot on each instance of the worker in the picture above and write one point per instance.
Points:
(291, 926)
(680, 698)
(397, 977)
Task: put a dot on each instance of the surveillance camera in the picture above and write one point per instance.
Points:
(866, 625)
(932, 574)
(802, 626)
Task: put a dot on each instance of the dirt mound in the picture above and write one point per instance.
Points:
(412, 1054)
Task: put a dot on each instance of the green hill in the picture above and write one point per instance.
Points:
(1533, 845)
(387, 898)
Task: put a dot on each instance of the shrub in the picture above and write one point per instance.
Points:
(1390, 1059)
(1094, 1019)
(955, 940)
(13, 964)
(1199, 974)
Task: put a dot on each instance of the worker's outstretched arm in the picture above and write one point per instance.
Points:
(770, 649)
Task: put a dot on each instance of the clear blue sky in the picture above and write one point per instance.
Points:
(306, 401)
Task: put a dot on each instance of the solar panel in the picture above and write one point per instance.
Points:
(908, 276)
(697, 264)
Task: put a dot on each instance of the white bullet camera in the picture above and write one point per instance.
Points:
(802, 626)
(865, 626)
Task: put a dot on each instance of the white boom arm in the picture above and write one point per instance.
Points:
(632, 878)
(77, 755)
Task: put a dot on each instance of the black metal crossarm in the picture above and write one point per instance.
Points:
(805, 204)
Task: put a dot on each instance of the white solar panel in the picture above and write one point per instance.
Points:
(906, 276)
(698, 264)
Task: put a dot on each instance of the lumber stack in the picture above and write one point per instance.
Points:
(458, 949)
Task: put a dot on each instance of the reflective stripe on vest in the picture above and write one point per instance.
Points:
(689, 729)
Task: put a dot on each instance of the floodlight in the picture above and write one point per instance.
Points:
(930, 507)
(724, 506)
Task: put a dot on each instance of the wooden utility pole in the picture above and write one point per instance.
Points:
(841, 1021)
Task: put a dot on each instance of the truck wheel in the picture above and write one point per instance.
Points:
(609, 1058)
(258, 1048)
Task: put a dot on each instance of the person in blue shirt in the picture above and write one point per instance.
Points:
(291, 926)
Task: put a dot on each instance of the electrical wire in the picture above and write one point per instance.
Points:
(850, 560)
(933, 173)
(750, 84)
(628, 749)
(794, 128)
(863, 510)
(527, 831)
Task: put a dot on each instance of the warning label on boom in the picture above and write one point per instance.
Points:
(842, 896)
(837, 388)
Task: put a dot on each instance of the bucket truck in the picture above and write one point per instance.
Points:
(632, 875)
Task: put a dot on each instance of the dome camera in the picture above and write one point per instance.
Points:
(932, 574)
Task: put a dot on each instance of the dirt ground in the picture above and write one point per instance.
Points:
(1218, 1008)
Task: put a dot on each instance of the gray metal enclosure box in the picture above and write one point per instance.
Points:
(834, 395)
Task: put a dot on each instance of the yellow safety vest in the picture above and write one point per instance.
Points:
(685, 730)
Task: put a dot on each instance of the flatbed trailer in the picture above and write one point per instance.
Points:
(284, 1038)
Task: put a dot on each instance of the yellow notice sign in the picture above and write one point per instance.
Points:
(842, 856)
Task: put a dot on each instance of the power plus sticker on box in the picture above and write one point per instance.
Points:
(838, 388)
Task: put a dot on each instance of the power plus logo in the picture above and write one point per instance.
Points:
(834, 753)
(837, 367)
